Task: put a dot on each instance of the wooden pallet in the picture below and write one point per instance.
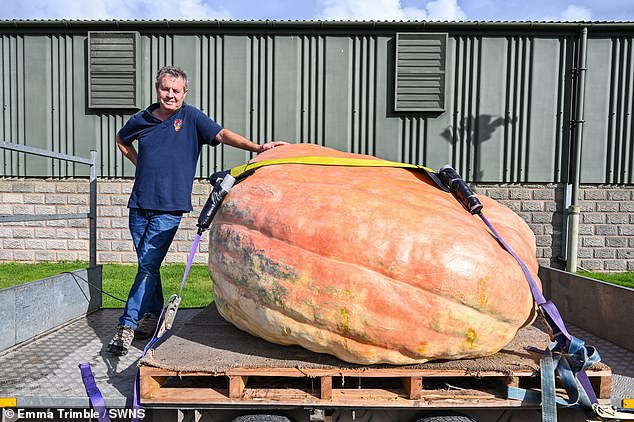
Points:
(337, 387)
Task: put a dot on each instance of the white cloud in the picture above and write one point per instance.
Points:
(388, 10)
(577, 13)
(113, 9)
(445, 10)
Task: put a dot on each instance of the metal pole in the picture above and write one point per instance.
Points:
(574, 209)
(93, 209)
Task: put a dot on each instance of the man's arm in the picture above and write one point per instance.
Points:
(128, 150)
(227, 137)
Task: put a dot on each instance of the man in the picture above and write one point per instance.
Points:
(170, 136)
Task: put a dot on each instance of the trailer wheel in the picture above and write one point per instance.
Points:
(261, 418)
(447, 418)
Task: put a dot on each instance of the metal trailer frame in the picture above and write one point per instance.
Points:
(91, 215)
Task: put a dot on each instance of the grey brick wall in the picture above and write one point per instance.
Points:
(606, 231)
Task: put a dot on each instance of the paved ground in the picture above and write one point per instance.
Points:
(44, 372)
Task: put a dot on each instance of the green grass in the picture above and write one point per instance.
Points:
(117, 280)
(622, 279)
(12, 274)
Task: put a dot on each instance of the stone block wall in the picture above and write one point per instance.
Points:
(606, 240)
(606, 226)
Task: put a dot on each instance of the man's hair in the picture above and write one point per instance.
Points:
(174, 71)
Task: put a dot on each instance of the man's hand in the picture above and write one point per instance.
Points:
(270, 145)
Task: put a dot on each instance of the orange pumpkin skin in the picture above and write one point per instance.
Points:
(372, 265)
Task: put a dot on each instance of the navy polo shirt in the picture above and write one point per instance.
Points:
(167, 156)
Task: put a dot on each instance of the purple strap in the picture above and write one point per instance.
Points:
(550, 312)
(94, 395)
(136, 402)
(190, 260)
(562, 336)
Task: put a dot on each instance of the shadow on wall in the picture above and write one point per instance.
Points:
(471, 132)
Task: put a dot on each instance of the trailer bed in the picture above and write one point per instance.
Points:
(44, 372)
(210, 361)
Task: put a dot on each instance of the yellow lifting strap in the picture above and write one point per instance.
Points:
(324, 161)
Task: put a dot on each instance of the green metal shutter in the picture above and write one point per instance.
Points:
(113, 70)
(420, 72)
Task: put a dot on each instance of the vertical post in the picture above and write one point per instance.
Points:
(92, 219)
(574, 209)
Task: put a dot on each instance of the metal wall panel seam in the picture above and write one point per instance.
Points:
(465, 107)
(528, 82)
(320, 123)
(618, 121)
(472, 138)
(621, 111)
(302, 88)
(624, 106)
(269, 132)
(613, 141)
(355, 136)
(516, 107)
(476, 173)
(70, 111)
(559, 121)
(203, 84)
(307, 93)
(20, 114)
(508, 109)
(468, 142)
(219, 43)
(311, 89)
(629, 122)
(367, 97)
(372, 100)
(53, 115)
(309, 97)
(361, 93)
(7, 156)
(364, 103)
(303, 91)
(455, 118)
(251, 88)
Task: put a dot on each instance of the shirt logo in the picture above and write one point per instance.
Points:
(178, 124)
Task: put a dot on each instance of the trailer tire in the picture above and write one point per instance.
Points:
(261, 418)
(447, 418)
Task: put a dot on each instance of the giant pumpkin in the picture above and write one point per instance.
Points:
(372, 265)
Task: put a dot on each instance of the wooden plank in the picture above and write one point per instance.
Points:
(278, 395)
(413, 387)
(372, 372)
(412, 395)
(602, 386)
(326, 388)
(237, 385)
(150, 383)
(187, 395)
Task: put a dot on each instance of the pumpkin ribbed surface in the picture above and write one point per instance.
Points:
(372, 265)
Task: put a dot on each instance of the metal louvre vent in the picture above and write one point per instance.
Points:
(420, 72)
(112, 69)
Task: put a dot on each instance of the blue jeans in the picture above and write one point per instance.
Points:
(152, 234)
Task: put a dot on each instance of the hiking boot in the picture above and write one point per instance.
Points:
(147, 327)
(121, 341)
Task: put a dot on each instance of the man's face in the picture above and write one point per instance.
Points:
(171, 93)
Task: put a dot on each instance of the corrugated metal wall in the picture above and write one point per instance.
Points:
(507, 118)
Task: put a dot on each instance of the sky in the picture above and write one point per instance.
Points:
(377, 10)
